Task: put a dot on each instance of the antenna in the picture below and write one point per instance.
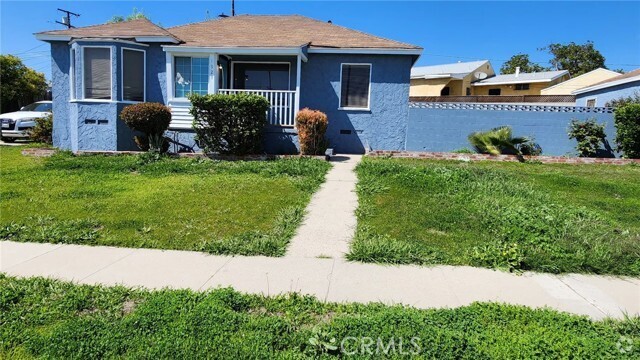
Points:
(66, 20)
(233, 7)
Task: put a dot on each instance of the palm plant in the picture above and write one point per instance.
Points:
(497, 141)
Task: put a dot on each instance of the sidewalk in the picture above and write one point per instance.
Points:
(330, 222)
(328, 279)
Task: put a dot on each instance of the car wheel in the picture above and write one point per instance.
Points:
(8, 139)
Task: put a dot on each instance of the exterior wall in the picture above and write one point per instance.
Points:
(445, 127)
(579, 82)
(427, 87)
(94, 125)
(351, 131)
(603, 96)
(534, 89)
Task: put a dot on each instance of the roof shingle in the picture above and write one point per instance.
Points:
(121, 30)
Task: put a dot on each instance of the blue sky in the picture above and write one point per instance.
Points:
(448, 31)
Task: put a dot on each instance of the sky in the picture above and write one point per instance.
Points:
(449, 31)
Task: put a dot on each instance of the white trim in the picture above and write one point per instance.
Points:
(262, 62)
(170, 61)
(51, 37)
(84, 47)
(368, 108)
(156, 39)
(519, 81)
(607, 85)
(370, 51)
(72, 73)
(297, 95)
(214, 73)
(595, 101)
(292, 51)
(93, 101)
(108, 40)
(144, 75)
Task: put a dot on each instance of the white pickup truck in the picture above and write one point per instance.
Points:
(16, 125)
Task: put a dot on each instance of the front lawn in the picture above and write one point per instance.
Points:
(549, 218)
(247, 208)
(42, 318)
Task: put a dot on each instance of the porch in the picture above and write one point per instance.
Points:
(271, 73)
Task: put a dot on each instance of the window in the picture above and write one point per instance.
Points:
(355, 84)
(494, 91)
(191, 76)
(591, 102)
(97, 73)
(445, 91)
(260, 76)
(38, 106)
(72, 73)
(133, 75)
(522, 86)
(468, 91)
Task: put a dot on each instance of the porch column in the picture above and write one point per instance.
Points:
(213, 74)
(298, 71)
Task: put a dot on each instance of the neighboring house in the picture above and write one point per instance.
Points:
(448, 79)
(359, 80)
(600, 94)
(519, 83)
(579, 82)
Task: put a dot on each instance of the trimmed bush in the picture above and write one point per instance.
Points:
(589, 134)
(312, 126)
(151, 119)
(229, 124)
(43, 130)
(497, 141)
(627, 120)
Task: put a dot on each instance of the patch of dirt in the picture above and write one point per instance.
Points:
(129, 306)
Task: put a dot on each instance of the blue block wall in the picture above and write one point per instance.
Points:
(603, 96)
(381, 128)
(444, 130)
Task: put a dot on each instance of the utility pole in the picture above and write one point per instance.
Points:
(66, 20)
(233, 7)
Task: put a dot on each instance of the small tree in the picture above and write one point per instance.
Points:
(497, 141)
(229, 124)
(522, 61)
(151, 119)
(135, 14)
(589, 134)
(43, 130)
(627, 120)
(577, 58)
(620, 102)
(312, 126)
(19, 85)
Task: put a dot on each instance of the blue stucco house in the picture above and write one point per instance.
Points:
(359, 80)
(600, 94)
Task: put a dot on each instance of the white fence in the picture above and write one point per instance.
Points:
(282, 111)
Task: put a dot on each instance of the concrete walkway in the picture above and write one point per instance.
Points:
(328, 279)
(330, 221)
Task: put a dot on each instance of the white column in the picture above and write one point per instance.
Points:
(169, 68)
(213, 74)
(298, 71)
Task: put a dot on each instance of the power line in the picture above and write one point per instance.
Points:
(66, 20)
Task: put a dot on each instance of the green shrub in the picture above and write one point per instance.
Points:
(589, 134)
(312, 126)
(43, 130)
(463, 151)
(531, 148)
(620, 102)
(229, 124)
(151, 119)
(627, 120)
(496, 141)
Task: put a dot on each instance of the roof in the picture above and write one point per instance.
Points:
(456, 70)
(544, 76)
(631, 76)
(587, 79)
(138, 28)
(278, 31)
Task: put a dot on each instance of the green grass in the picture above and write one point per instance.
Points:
(245, 208)
(519, 216)
(42, 318)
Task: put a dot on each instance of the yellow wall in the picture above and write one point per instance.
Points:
(427, 87)
(579, 82)
(534, 88)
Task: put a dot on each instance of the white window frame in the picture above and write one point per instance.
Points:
(144, 81)
(586, 102)
(72, 73)
(231, 84)
(173, 71)
(84, 98)
(368, 108)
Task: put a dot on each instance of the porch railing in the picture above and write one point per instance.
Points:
(282, 111)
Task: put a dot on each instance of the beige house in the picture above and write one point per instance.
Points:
(519, 83)
(587, 79)
(448, 79)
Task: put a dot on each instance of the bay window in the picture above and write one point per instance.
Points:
(133, 75)
(96, 73)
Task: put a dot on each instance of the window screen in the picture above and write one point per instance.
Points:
(97, 73)
(133, 75)
(354, 92)
(522, 86)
